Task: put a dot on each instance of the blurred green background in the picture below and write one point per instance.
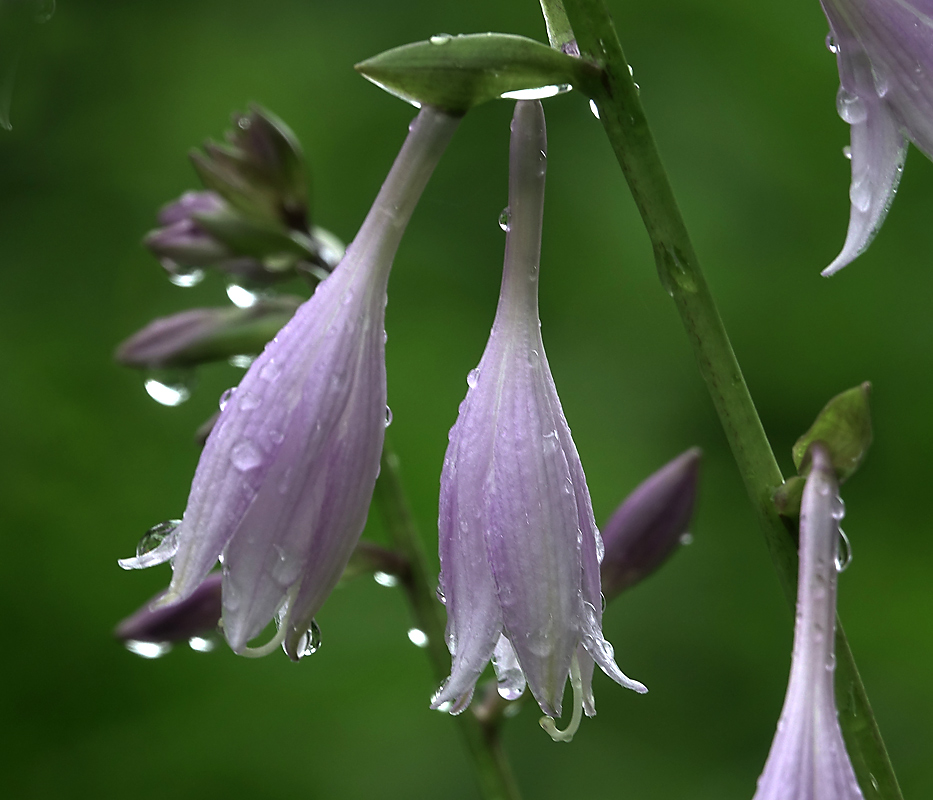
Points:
(109, 98)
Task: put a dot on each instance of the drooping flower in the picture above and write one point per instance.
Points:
(284, 483)
(519, 547)
(650, 524)
(884, 50)
(808, 758)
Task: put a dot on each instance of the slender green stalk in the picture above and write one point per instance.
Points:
(489, 760)
(624, 120)
(559, 32)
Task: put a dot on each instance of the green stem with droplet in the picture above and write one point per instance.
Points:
(624, 120)
(492, 768)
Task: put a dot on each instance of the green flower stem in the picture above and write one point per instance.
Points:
(492, 768)
(627, 128)
(559, 31)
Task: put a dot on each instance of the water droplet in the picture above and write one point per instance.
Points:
(225, 397)
(241, 361)
(185, 277)
(270, 371)
(880, 79)
(388, 416)
(472, 378)
(442, 598)
(169, 388)
(417, 637)
(276, 437)
(152, 538)
(847, 152)
(147, 649)
(538, 93)
(240, 297)
(201, 645)
(831, 44)
(831, 662)
(600, 547)
(245, 456)
(440, 38)
(504, 217)
(385, 579)
(310, 641)
(243, 123)
(603, 602)
(672, 269)
(44, 10)
(844, 554)
(686, 538)
(874, 782)
(445, 706)
(594, 109)
(250, 401)
(860, 195)
(850, 107)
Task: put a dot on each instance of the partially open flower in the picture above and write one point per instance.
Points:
(808, 758)
(884, 50)
(519, 547)
(283, 487)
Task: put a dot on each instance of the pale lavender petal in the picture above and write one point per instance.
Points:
(286, 476)
(196, 616)
(808, 759)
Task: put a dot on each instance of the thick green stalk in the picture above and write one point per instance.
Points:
(490, 764)
(623, 118)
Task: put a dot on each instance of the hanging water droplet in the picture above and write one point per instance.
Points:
(847, 152)
(600, 546)
(152, 538)
(603, 602)
(504, 217)
(225, 397)
(831, 44)
(385, 579)
(241, 361)
(185, 277)
(440, 38)
(442, 598)
(147, 649)
(170, 388)
(245, 456)
(244, 123)
(594, 109)
(417, 637)
(388, 416)
(537, 93)
(851, 107)
(860, 195)
(201, 645)
(44, 10)
(844, 554)
(472, 378)
(310, 641)
(242, 297)
(831, 662)
(686, 538)
(880, 79)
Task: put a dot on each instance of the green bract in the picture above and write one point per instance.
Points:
(456, 73)
(844, 426)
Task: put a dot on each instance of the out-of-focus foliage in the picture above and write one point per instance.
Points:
(109, 99)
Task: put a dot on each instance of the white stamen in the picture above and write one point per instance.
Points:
(548, 723)
(275, 641)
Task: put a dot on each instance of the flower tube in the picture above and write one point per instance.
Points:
(519, 547)
(808, 759)
(285, 479)
(884, 50)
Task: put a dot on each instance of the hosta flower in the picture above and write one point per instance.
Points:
(286, 476)
(884, 49)
(519, 547)
(808, 759)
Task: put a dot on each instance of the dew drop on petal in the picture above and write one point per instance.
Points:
(245, 456)
(594, 109)
(504, 217)
(388, 416)
(441, 597)
(844, 556)
(270, 371)
(310, 641)
(241, 361)
(241, 297)
(472, 378)
(152, 538)
(831, 44)
(417, 637)
(385, 579)
(847, 152)
(851, 107)
(147, 649)
(440, 38)
(249, 401)
(225, 397)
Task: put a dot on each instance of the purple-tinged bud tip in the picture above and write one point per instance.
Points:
(650, 524)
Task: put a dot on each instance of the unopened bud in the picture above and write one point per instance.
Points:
(200, 335)
(650, 524)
